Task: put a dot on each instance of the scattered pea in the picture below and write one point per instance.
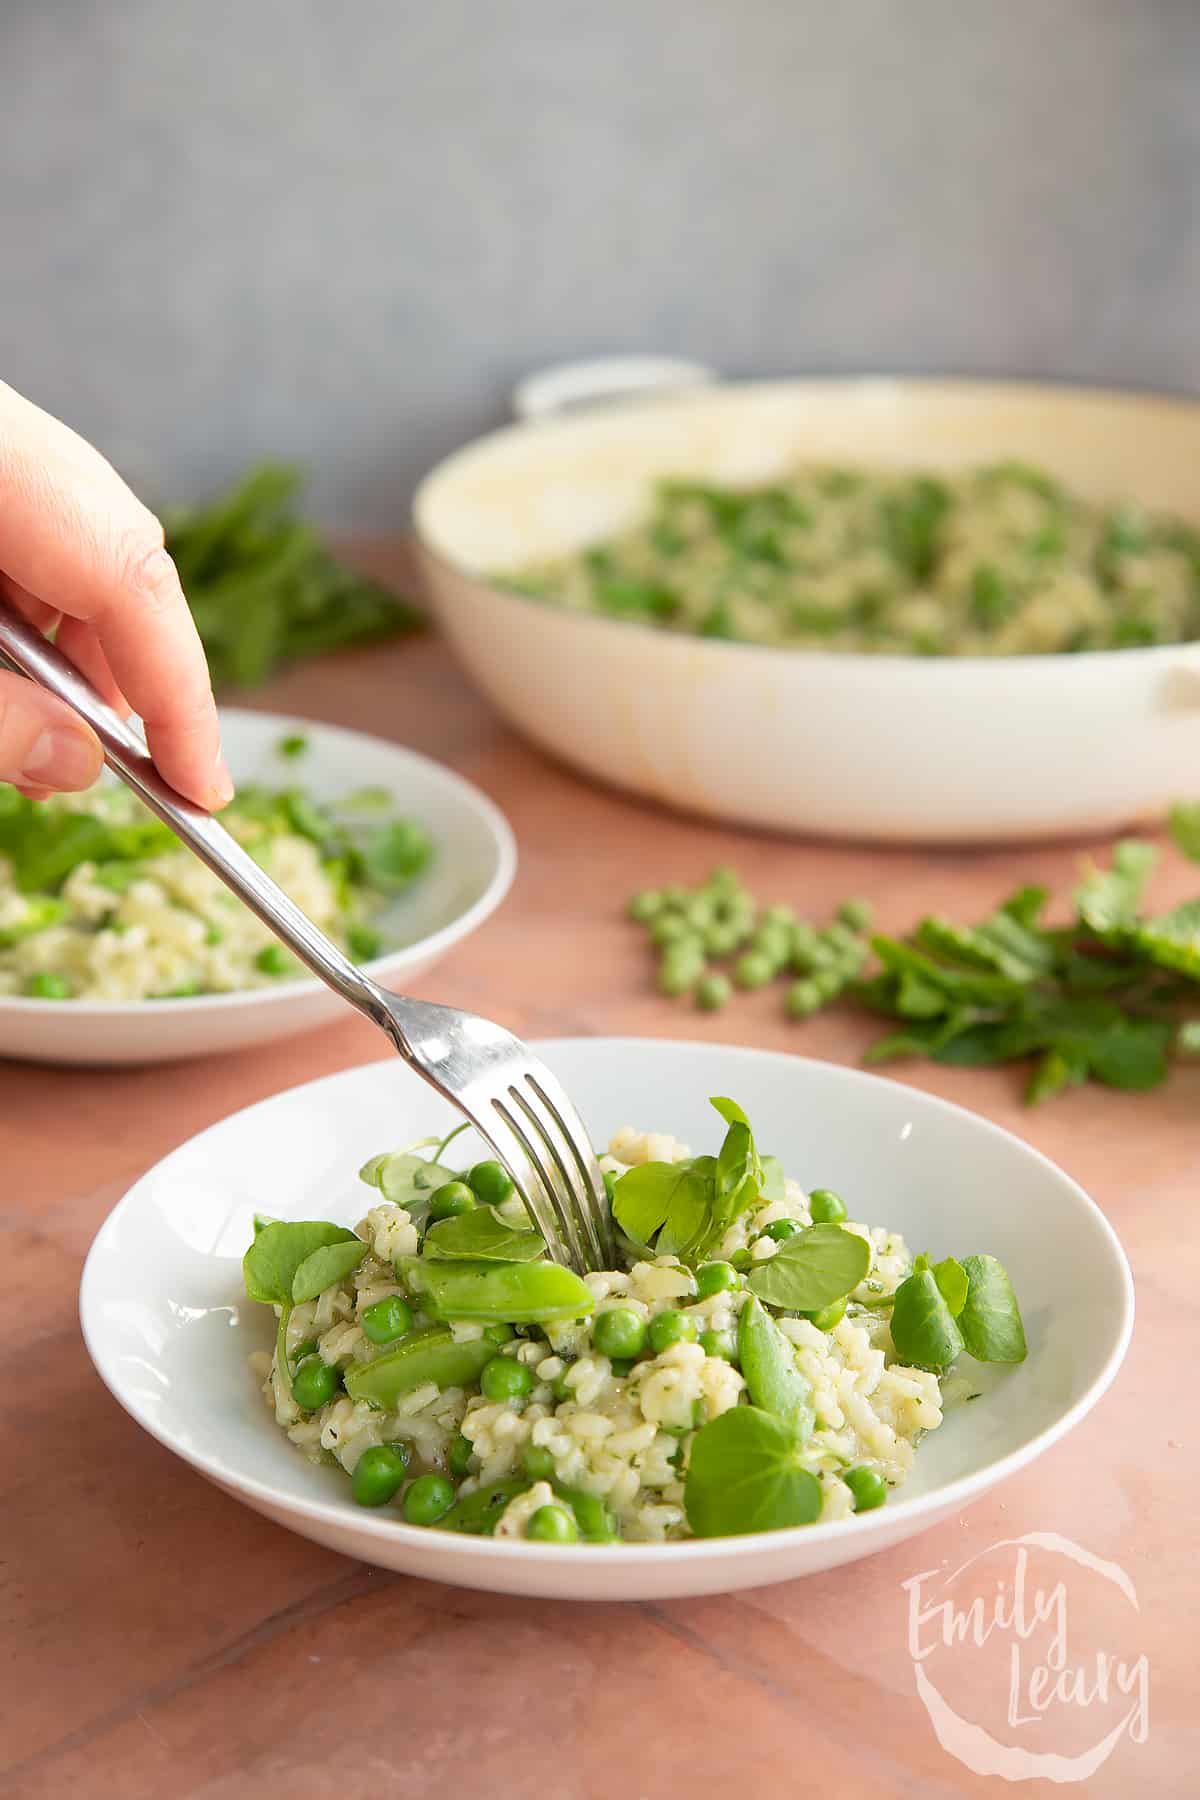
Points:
(670, 1327)
(646, 906)
(315, 1383)
(451, 1199)
(307, 1348)
(498, 1334)
(779, 915)
(619, 1331)
(754, 969)
(803, 999)
(715, 1278)
(713, 992)
(719, 1343)
(537, 1462)
(868, 1488)
(490, 1182)
(552, 1524)
(458, 1457)
(427, 1499)
(680, 969)
(670, 928)
(504, 1378)
(47, 985)
(379, 1474)
(387, 1320)
(273, 959)
(825, 1207)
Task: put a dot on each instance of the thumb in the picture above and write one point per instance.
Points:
(43, 744)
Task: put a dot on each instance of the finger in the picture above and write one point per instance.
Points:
(43, 744)
(80, 645)
(74, 535)
(28, 605)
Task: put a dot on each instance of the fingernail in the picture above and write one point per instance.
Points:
(62, 759)
(222, 784)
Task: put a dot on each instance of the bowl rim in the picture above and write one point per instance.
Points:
(871, 1527)
(432, 945)
(990, 387)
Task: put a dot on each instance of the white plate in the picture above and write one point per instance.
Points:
(938, 749)
(475, 859)
(169, 1330)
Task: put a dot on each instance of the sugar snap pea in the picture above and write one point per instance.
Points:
(427, 1355)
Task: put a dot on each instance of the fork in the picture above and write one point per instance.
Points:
(516, 1104)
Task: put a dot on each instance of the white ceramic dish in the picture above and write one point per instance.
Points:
(169, 1330)
(472, 872)
(892, 748)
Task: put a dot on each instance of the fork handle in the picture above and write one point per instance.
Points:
(24, 650)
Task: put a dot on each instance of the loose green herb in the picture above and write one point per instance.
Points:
(262, 587)
(744, 1474)
(812, 1269)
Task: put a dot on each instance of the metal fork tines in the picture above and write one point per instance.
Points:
(512, 1099)
(522, 1111)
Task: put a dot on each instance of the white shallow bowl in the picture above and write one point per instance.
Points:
(955, 749)
(475, 858)
(169, 1330)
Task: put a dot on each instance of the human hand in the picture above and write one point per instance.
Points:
(79, 550)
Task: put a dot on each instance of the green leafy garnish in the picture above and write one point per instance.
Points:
(924, 1329)
(690, 1205)
(812, 1270)
(990, 1319)
(938, 1312)
(773, 1380)
(279, 1248)
(484, 1236)
(326, 1265)
(745, 1474)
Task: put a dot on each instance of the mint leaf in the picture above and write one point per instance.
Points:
(322, 1267)
(484, 1236)
(1107, 899)
(270, 1264)
(1184, 823)
(773, 1380)
(812, 1269)
(990, 1321)
(744, 1474)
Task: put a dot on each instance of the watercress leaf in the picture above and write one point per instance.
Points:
(483, 1236)
(738, 1177)
(325, 1265)
(951, 1278)
(744, 1475)
(269, 1265)
(643, 1196)
(774, 1382)
(772, 1188)
(1184, 822)
(924, 1329)
(689, 1219)
(395, 854)
(261, 1219)
(730, 1111)
(406, 1179)
(812, 1269)
(990, 1320)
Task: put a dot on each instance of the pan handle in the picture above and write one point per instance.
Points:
(578, 386)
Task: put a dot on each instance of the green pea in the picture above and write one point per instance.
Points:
(46, 985)
(869, 1489)
(719, 1343)
(855, 913)
(560, 1389)
(646, 906)
(715, 1278)
(273, 959)
(499, 1334)
(741, 1260)
(713, 992)
(307, 1348)
(458, 1457)
(722, 940)
(504, 1378)
(618, 1331)
(676, 976)
(428, 1499)
(779, 1230)
(825, 1207)
(803, 999)
(828, 983)
(552, 1525)
(779, 915)
(387, 1320)
(670, 1327)
(674, 895)
(621, 1366)
(379, 1474)
(753, 969)
(451, 1199)
(828, 1316)
(537, 1462)
(671, 929)
(724, 880)
(315, 1383)
(491, 1183)
(700, 913)
(775, 943)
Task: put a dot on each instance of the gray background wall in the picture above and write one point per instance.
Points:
(340, 231)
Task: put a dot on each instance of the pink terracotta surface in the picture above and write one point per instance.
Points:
(161, 1640)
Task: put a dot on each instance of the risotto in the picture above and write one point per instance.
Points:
(1000, 561)
(100, 901)
(736, 1371)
